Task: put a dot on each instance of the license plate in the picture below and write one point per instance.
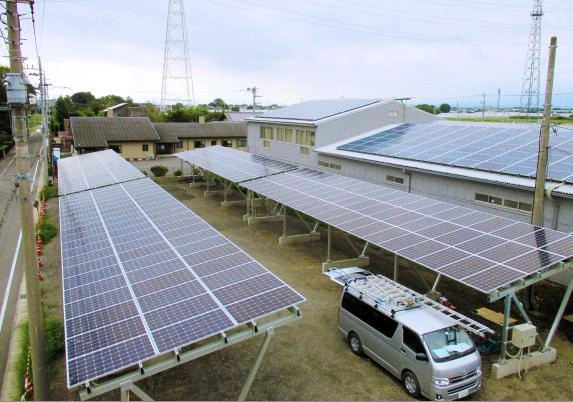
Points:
(463, 393)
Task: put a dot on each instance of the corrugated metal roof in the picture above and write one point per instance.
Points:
(214, 129)
(238, 116)
(95, 132)
(316, 109)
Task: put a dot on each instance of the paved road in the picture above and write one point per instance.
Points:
(10, 272)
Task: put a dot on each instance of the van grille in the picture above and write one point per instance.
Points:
(458, 389)
(471, 374)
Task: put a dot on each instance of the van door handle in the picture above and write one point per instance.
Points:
(403, 350)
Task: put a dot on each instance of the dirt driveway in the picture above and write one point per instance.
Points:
(309, 360)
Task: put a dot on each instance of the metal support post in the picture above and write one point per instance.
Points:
(258, 361)
(315, 229)
(20, 131)
(363, 254)
(328, 243)
(505, 329)
(285, 221)
(559, 314)
(436, 283)
(396, 267)
(249, 197)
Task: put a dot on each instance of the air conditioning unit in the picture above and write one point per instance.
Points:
(523, 335)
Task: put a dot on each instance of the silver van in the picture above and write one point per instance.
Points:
(419, 345)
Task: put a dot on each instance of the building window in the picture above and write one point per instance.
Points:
(490, 199)
(330, 165)
(284, 134)
(226, 143)
(198, 144)
(179, 144)
(116, 148)
(305, 138)
(145, 147)
(394, 179)
(241, 143)
(213, 142)
(266, 136)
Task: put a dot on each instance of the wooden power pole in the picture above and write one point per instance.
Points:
(539, 198)
(17, 98)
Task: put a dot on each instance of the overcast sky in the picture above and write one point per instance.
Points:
(442, 51)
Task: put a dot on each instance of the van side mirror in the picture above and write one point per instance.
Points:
(422, 356)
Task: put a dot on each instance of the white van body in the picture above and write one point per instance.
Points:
(422, 347)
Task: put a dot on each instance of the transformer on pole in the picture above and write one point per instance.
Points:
(177, 82)
(531, 78)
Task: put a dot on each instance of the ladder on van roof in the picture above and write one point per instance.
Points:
(382, 292)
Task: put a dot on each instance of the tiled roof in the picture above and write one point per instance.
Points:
(96, 132)
(214, 129)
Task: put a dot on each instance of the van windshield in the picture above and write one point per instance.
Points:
(448, 344)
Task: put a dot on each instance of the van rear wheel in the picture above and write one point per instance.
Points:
(355, 343)
(411, 384)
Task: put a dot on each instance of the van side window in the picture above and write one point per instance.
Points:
(380, 322)
(412, 340)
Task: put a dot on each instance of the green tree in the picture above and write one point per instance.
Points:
(5, 124)
(83, 98)
(428, 108)
(219, 103)
(63, 109)
(445, 108)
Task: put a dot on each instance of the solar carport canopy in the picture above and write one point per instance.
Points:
(93, 170)
(483, 251)
(143, 276)
(233, 165)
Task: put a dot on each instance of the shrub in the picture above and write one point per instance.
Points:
(178, 172)
(47, 229)
(49, 191)
(22, 359)
(54, 330)
(144, 172)
(159, 170)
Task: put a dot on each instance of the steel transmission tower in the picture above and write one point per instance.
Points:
(177, 83)
(531, 78)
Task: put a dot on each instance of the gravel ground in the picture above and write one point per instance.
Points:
(309, 360)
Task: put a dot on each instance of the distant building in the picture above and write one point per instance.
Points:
(238, 116)
(138, 138)
(125, 110)
(291, 133)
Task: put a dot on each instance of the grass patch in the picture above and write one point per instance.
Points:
(48, 230)
(49, 192)
(22, 359)
(54, 338)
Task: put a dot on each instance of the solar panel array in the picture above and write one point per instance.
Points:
(93, 170)
(143, 275)
(483, 251)
(234, 165)
(506, 148)
(314, 110)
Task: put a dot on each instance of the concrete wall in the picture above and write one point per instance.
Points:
(333, 130)
(133, 150)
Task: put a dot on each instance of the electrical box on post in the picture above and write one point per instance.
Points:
(15, 89)
(523, 335)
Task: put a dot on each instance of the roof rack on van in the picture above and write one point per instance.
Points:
(384, 293)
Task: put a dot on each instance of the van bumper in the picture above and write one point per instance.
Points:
(457, 390)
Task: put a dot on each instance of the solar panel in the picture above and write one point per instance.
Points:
(93, 170)
(484, 251)
(504, 148)
(231, 164)
(143, 275)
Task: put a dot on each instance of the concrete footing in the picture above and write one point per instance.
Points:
(352, 262)
(238, 203)
(301, 238)
(253, 220)
(515, 365)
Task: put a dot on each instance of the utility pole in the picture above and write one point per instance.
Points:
(539, 198)
(17, 98)
(498, 97)
(255, 96)
(45, 128)
(483, 108)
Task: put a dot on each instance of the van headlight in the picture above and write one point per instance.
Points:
(441, 382)
(478, 370)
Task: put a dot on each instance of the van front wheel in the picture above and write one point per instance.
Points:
(355, 343)
(411, 384)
